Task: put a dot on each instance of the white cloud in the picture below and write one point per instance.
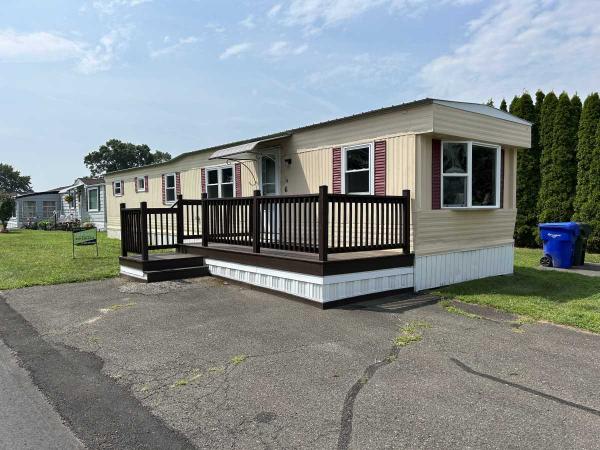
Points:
(521, 44)
(215, 27)
(101, 57)
(314, 14)
(37, 47)
(173, 47)
(274, 11)
(236, 50)
(283, 48)
(364, 70)
(248, 22)
(110, 6)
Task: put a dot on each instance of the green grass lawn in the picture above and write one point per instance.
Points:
(563, 298)
(29, 258)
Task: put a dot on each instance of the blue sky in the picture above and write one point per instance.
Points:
(180, 75)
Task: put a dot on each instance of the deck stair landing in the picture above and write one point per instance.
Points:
(163, 267)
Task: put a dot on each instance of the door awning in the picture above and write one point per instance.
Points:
(248, 147)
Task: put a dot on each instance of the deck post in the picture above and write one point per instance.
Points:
(406, 221)
(124, 236)
(204, 219)
(179, 219)
(323, 223)
(144, 230)
(256, 222)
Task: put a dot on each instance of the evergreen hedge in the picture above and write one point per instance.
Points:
(558, 162)
(587, 197)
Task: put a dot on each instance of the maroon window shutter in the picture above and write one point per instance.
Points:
(337, 170)
(178, 183)
(122, 187)
(164, 192)
(380, 167)
(238, 180)
(135, 183)
(113, 186)
(146, 184)
(436, 172)
(203, 180)
(502, 178)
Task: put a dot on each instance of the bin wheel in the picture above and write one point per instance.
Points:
(546, 261)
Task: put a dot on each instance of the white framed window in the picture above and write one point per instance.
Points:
(117, 188)
(93, 198)
(29, 209)
(220, 182)
(470, 175)
(48, 208)
(141, 184)
(357, 169)
(170, 187)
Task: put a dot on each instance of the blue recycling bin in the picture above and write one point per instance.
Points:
(559, 243)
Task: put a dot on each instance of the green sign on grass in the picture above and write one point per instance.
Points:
(85, 236)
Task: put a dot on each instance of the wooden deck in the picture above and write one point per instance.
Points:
(306, 263)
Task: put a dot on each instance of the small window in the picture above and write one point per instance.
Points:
(470, 175)
(141, 184)
(358, 169)
(117, 188)
(268, 174)
(220, 182)
(48, 209)
(29, 209)
(170, 188)
(93, 199)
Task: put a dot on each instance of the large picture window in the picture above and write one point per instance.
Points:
(219, 182)
(93, 199)
(170, 188)
(48, 208)
(29, 209)
(470, 175)
(358, 169)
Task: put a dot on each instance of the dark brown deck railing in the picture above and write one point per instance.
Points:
(320, 223)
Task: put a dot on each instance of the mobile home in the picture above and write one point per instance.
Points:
(413, 196)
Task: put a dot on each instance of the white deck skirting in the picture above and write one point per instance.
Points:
(320, 289)
(433, 271)
(133, 273)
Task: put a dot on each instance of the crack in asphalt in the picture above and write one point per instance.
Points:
(99, 411)
(553, 398)
(347, 415)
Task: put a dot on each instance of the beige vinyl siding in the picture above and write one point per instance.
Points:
(307, 171)
(400, 164)
(413, 120)
(454, 122)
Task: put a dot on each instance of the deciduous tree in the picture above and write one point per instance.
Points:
(117, 155)
(12, 182)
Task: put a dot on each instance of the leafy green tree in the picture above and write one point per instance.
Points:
(588, 169)
(528, 175)
(559, 164)
(490, 102)
(7, 206)
(12, 182)
(117, 155)
(503, 105)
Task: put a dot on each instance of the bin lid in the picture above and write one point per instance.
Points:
(585, 229)
(570, 226)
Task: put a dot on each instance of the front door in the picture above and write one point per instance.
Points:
(269, 185)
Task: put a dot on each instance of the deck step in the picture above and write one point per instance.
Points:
(162, 262)
(176, 274)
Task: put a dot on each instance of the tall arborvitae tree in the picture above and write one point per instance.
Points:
(514, 107)
(559, 166)
(503, 105)
(528, 176)
(587, 197)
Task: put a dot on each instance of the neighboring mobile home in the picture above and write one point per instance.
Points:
(35, 206)
(85, 200)
(458, 160)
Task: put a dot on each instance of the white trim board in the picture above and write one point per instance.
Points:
(316, 288)
(133, 273)
(444, 269)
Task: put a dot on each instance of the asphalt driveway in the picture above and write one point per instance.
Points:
(215, 365)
